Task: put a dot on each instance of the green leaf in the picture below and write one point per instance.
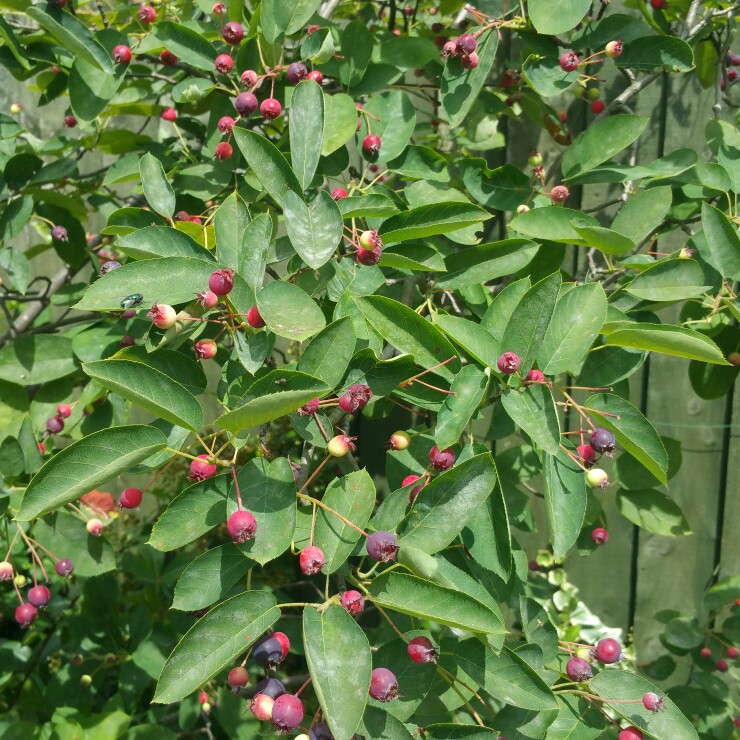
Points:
(431, 220)
(340, 122)
(472, 337)
(417, 597)
(380, 725)
(153, 242)
(397, 120)
(276, 394)
(552, 223)
(71, 34)
(485, 262)
(546, 77)
(87, 464)
(577, 719)
(616, 687)
(460, 87)
(669, 340)
(255, 245)
(214, 642)
(468, 387)
(230, 222)
(648, 52)
(538, 629)
(328, 354)
(533, 410)
(721, 245)
(420, 162)
(149, 388)
(352, 496)
(181, 368)
(186, 44)
(634, 433)
(722, 593)
(91, 89)
(444, 505)
(505, 676)
(315, 230)
(600, 142)
(289, 311)
(306, 130)
(669, 280)
(37, 359)
(192, 89)
(268, 164)
(504, 188)
(497, 317)
(405, 330)
(157, 189)
(643, 213)
(654, 512)
(197, 510)
(526, 329)
(575, 323)
(62, 532)
(340, 663)
(209, 577)
(356, 48)
(15, 216)
(565, 499)
(374, 204)
(605, 240)
(553, 17)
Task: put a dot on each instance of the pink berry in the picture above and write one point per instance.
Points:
(25, 614)
(287, 712)
(316, 76)
(147, 14)
(296, 72)
(732, 653)
(261, 707)
(64, 411)
(470, 61)
(383, 685)
(223, 64)
(599, 536)
(94, 526)
(226, 124)
(705, 652)
(54, 425)
(201, 469)
(169, 114)
(371, 145)
(535, 376)
(238, 678)
(218, 9)
(559, 194)
(508, 363)
(614, 49)
(368, 257)
(121, 54)
(353, 602)
(338, 193)
(311, 560)
(270, 109)
(242, 526)
(382, 547)
(608, 651)
(245, 103)
(222, 281)
(630, 733)
(309, 408)
(249, 78)
(223, 150)
(579, 670)
(6, 571)
(254, 318)
(162, 316)
(652, 702)
(39, 596)
(207, 298)
(441, 459)
(205, 349)
(232, 33)
(721, 666)
(168, 58)
(130, 498)
(569, 62)
(449, 49)
(59, 233)
(421, 650)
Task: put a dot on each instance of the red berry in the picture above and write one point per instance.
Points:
(205, 349)
(608, 651)
(39, 596)
(569, 62)
(270, 109)
(168, 58)
(597, 107)
(383, 685)
(254, 318)
(705, 652)
(242, 526)
(316, 76)
(731, 75)
(721, 666)
(64, 567)
(382, 546)
(587, 453)
(368, 257)
(64, 411)
(353, 602)
(338, 193)
(311, 560)
(535, 376)
(223, 64)
(238, 678)
(559, 194)
(54, 425)
(508, 363)
(223, 150)
(245, 104)
(421, 650)
(130, 498)
(221, 281)
(441, 459)
(579, 670)
(599, 536)
(652, 702)
(25, 614)
(658, 4)
(121, 54)
(732, 653)
(70, 121)
(312, 29)
(201, 469)
(287, 712)
(630, 733)
(284, 641)
(147, 14)
(42, 450)
(371, 145)
(226, 124)
(169, 114)
(232, 33)
(309, 408)
(296, 72)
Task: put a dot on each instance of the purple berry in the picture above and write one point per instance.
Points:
(383, 685)
(268, 652)
(579, 670)
(602, 441)
(271, 687)
(608, 651)
(39, 596)
(287, 712)
(421, 650)
(382, 546)
(64, 567)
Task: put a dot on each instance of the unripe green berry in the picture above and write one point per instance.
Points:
(597, 478)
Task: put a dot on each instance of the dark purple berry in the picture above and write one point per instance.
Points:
(602, 440)
(382, 546)
(271, 687)
(268, 652)
(579, 670)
